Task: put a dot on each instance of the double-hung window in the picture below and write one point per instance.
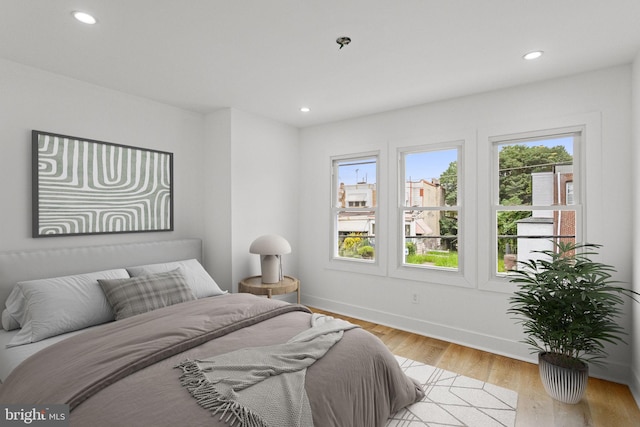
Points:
(354, 208)
(536, 194)
(429, 210)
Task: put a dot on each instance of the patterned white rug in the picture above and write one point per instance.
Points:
(454, 400)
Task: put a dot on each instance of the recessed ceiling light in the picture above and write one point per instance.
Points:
(305, 109)
(533, 55)
(84, 17)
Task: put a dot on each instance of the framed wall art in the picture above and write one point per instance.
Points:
(82, 186)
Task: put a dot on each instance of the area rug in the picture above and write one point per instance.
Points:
(454, 400)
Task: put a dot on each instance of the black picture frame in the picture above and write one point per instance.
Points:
(82, 186)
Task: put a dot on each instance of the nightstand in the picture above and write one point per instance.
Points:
(254, 285)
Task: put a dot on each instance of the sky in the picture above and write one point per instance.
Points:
(354, 172)
(429, 164)
(425, 165)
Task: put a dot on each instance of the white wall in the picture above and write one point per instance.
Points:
(33, 99)
(235, 174)
(470, 316)
(217, 196)
(254, 192)
(635, 184)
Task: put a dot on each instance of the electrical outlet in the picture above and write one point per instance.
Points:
(414, 298)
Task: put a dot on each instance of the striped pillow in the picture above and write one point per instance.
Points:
(137, 295)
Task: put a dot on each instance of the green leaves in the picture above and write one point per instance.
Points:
(518, 161)
(567, 303)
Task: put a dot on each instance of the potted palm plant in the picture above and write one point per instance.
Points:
(568, 305)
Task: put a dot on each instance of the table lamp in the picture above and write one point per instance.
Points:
(270, 247)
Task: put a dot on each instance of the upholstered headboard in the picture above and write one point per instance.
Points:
(16, 266)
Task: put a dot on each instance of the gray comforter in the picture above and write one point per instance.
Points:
(124, 373)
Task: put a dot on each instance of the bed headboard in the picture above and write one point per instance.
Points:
(16, 266)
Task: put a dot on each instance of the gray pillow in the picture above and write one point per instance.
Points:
(201, 283)
(138, 295)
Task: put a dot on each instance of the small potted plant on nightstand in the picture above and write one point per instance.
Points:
(568, 306)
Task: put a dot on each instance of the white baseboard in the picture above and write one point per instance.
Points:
(472, 339)
(613, 371)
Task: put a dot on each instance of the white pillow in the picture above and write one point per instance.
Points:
(49, 307)
(15, 306)
(8, 322)
(201, 284)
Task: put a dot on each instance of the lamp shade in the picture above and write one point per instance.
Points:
(270, 244)
(270, 247)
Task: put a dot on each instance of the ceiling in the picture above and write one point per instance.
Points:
(271, 57)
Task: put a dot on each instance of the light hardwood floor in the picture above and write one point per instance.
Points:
(605, 404)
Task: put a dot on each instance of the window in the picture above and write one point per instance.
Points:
(534, 200)
(429, 208)
(355, 208)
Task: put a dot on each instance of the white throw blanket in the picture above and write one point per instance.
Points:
(263, 386)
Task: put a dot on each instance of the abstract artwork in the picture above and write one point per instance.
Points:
(82, 186)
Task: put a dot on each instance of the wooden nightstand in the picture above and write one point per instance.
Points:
(254, 285)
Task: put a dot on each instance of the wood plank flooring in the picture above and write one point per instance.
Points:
(606, 404)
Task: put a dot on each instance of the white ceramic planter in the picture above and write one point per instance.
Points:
(564, 384)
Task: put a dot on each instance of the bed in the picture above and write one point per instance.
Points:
(156, 364)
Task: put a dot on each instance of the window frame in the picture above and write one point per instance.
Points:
(377, 266)
(467, 221)
(503, 140)
(587, 158)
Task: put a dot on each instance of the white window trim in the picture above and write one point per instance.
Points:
(467, 222)
(588, 165)
(379, 265)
